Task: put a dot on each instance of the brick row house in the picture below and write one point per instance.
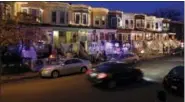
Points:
(98, 29)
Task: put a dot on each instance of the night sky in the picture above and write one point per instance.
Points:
(135, 6)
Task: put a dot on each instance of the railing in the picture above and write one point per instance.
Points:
(27, 18)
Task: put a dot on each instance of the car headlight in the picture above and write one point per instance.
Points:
(45, 71)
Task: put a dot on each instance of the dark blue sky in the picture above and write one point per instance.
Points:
(135, 6)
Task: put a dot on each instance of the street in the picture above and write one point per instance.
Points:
(75, 88)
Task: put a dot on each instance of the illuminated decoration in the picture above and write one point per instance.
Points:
(142, 51)
(182, 44)
(117, 44)
(109, 45)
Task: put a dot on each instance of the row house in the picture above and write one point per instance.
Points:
(115, 19)
(5, 11)
(29, 12)
(105, 25)
(56, 13)
(80, 15)
(99, 17)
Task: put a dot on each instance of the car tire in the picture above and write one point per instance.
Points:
(111, 84)
(55, 74)
(83, 69)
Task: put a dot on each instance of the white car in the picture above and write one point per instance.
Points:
(128, 58)
(64, 67)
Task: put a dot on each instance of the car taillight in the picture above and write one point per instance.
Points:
(101, 75)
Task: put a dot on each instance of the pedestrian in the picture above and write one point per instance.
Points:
(104, 55)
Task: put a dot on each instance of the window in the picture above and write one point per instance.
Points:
(148, 25)
(101, 36)
(62, 17)
(75, 61)
(126, 23)
(54, 15)
(138, 23)
(103, 22)
(113, 22)
(77, 18)
(156, 25)
(97, 22)
(34, 12)
(107, 37)
(142, 23)
(119, 20)
(68, 62)
(132, 23)
(25, 10)
(120, 37)
(84, 18)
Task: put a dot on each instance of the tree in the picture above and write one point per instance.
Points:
(170, 13)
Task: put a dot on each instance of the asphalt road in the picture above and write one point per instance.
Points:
(75, 88)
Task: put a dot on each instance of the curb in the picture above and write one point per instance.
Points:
(11, 79)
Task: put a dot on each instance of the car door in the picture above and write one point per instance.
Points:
(68, 67)
(123, 73)
(76, 65)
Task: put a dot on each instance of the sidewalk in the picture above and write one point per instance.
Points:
(28, 75)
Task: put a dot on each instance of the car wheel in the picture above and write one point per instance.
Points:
(55, 74)
(111, 84)
(83, 69)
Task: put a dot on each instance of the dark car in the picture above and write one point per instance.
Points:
(178, 52)
(174, 80)
(110, 74)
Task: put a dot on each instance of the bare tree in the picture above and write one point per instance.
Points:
(171, 13)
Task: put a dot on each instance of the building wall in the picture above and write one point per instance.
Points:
(115, 19)
(61, 9)
(82, 12)
(129, 17)
(99, 15)
(140, 21)
(159, 24)
(150, 23)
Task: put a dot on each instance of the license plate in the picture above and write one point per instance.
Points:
(93, 74)
(174, 87)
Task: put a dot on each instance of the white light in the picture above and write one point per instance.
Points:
(142, 51)
(55, 33)
(116, 44)
(109, 45)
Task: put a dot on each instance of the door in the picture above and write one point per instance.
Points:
(67, 67)
(76, 65)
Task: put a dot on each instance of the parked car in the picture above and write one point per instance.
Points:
(174, 80)
(67, 66)
(178, 52)
(128, 58)
(110, 74)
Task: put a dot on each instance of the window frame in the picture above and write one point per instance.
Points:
(52, 19)
(64, 18)
(86, 17)
(79, 14)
